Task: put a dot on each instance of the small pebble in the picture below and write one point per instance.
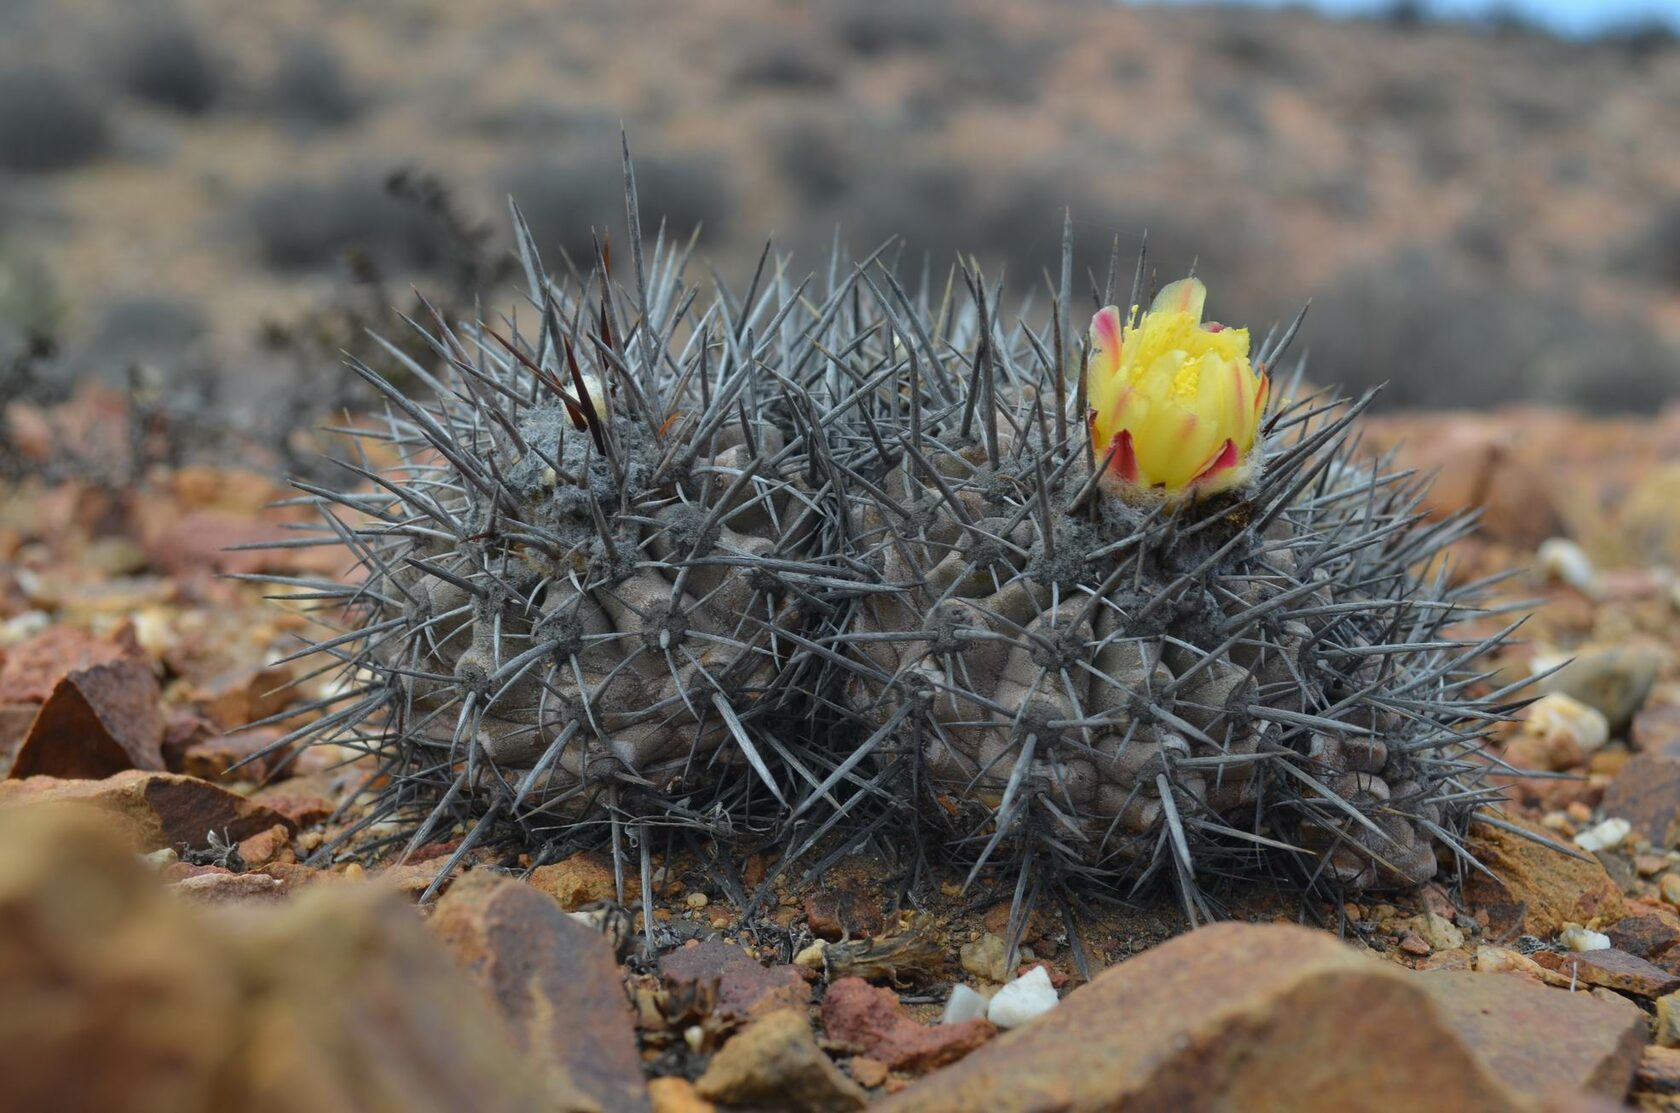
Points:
(697, 901)
(964, 1004)
(1606, 836)
(1578, 938)
(812, 956)
(866, 1072)
(695, 1037)
(1649, 865)
(1566, 562)
(157, 859)
(1414, 944)
(354, 871)
(1669, 888)
(1023, 999)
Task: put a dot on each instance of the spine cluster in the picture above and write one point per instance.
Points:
(827, 561)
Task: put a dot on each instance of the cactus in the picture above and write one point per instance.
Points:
(833, 561)
(1245, 669)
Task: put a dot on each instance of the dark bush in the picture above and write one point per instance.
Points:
(564, 198)
(786, 62)
(815, 157)
(1655, 252)
(159, 58)
(314, 224)
(871, 27)
(310, 85)
(48, 121)
(1439, 341)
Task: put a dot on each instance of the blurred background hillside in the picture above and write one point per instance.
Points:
(211, 199)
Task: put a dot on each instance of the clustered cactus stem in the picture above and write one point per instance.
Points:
(834, 563)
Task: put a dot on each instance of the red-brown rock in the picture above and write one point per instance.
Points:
(1612, 969)
(579, 880)
(1536, 889)
(238, 696)
(1646, 793)
(223, 887)
(557, 983)
(1649, 934)
(97, 721)
(1242, 1016)
(158, 810)
(874, 1021)
(33, 667)
(301, 809)
(746, 987)
(267, 848)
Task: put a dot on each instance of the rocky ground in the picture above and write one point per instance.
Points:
(167, 913)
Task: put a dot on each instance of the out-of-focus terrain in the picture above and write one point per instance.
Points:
(227, 194)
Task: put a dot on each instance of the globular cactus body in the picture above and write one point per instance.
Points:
(834, 558)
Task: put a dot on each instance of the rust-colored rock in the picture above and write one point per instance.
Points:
(557, 983)
(267, 848)
(579, 880)
(674, 1094)
(238, 696)
(1656, 729)
(114, 996)
(1536, 889)
(97, 721)
(775, 1063)
(215, 756)
(1649, 934)
(158, 810)
(874, 1021)
(33, 667)
(1646, 793)
(1240, 1016)
(746, 987)
(222, 887)
(301, 809)
(1612, 969)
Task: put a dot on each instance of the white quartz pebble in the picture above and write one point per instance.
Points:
(965, 1004)
(1023, 999)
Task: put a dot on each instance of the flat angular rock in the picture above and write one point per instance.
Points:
(874, 1021)
(1646, 793)
(1535, 889)
(775, 1063)
(113, 996)
(1612, 969)
(1241, 1016)
(557, 983)
(746, 987)
(1648, 935)
(576, 881)
(97, 721)
(34, 667)
(155, 811)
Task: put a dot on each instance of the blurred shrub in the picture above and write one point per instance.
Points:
(871, 27)
(306, 224)
(1655, 252)
(159, 58)
(1438, 341)
(31, 309)
(143, 328)
(564, 198)
(785, 62)
(47, 120)
(310, 85)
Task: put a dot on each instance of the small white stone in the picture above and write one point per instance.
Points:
(1606, 836)
(1566, 562)
(1026, 997)
(964, 1004)
(157, 859)
(1580, 939)
(1560, 716)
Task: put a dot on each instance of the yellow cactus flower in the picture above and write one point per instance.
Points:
(1173, 398)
